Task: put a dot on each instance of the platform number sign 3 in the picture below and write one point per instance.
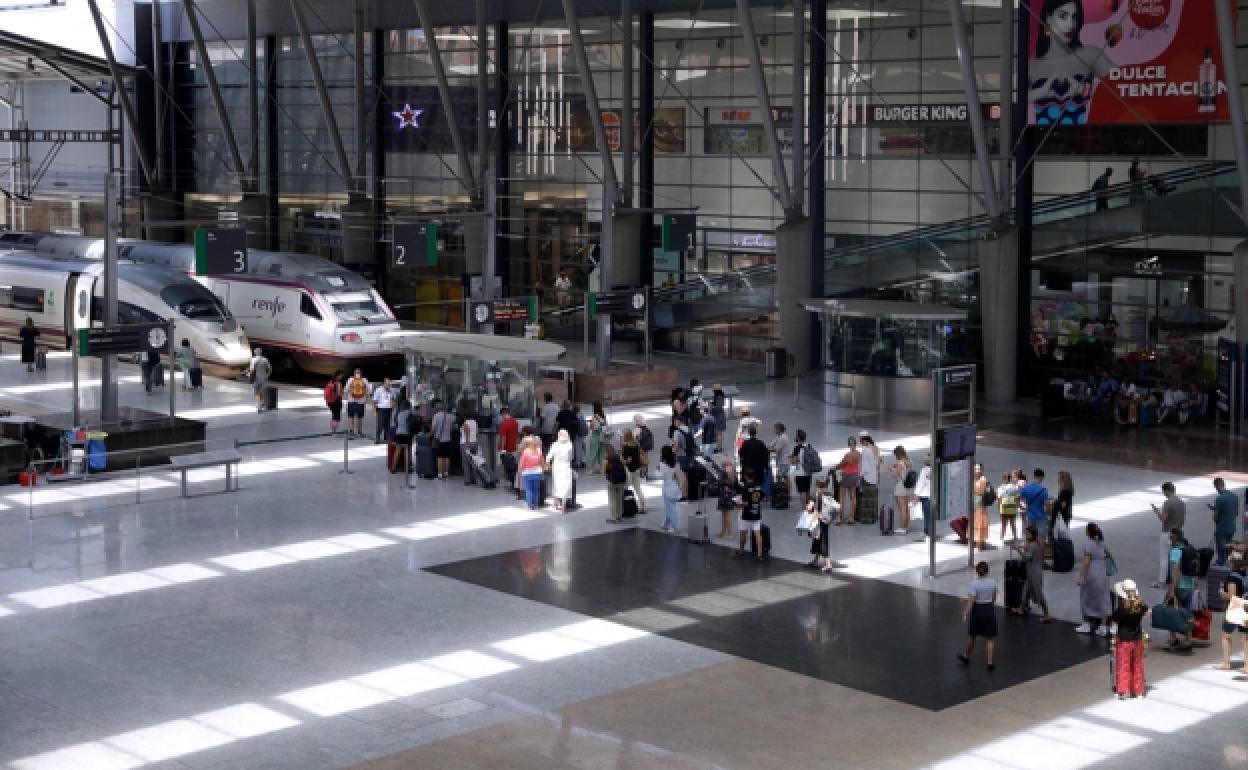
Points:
(220, 251)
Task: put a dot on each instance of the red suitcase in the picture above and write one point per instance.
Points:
(959, 527)
(394, 457)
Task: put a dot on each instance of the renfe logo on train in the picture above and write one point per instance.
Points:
(270, 306)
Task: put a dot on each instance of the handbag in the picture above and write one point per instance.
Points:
(1111, 566)
(1201, 620)
(1235, 614)
(806, 522)
(1171, 617)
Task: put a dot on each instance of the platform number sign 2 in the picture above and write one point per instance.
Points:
(415, 245)
(220, 251)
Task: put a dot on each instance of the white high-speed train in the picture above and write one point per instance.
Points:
(304, 310)
(63, 295)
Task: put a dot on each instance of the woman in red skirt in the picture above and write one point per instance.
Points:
(1129, 641)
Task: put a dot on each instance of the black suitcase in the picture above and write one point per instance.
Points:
(1214, 583)
(1015, 578)
(270, 397)
(629, 507)
(484, 475)
(1206, 558)
(426, 464)
(508, 462)
(715, 475)
(1063, 555)
(467, 461)
(765, 534)
(196, 377)
(780, 493)
(570, 503)
(41, 359)
(888, 520)
(696, 478)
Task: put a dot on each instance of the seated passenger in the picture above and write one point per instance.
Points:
(1190, 405)
(1148, 411)
(1171, 403)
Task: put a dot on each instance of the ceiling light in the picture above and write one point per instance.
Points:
(689, 24)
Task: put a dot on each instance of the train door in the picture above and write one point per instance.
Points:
(80, 305)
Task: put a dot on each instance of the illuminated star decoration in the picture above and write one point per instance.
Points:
(408, 117)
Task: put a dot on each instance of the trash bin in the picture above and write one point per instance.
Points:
(270, 397)
(777, 363)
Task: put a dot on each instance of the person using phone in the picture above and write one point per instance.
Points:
(1173, 515)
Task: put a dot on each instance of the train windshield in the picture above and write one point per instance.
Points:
(357, 307)
(194, 302)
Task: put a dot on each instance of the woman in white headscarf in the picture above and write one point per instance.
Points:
(559, 461)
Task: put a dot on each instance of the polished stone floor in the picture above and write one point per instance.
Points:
(870, 635)
(316, 619)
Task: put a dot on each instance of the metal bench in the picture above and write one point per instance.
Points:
(230, 458)
(636, 394)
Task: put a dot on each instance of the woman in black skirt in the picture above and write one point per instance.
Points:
(979, 611)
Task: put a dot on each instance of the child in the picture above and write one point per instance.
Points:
(979, 611)
(825, 505)
(1129, 641)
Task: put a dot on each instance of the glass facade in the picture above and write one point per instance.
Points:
(902, 211)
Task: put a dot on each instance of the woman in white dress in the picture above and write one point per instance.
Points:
(559, 460)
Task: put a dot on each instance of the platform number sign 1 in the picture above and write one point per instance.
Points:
(220, 251)
(415, 245)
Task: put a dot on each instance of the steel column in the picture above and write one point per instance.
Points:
(483, 104)
(799, 103)
(502, 153)
(1005, 131)
(1234, 103)
(466, 177)
(361, 94)
(817, 116)
(253, 97)
(272, 157)
(626, 111)
(610, 186)
(123, 96)
(158, 93)
(214, 89)
(645, 156)
(781, 181)
(970, 86)
(322, 94)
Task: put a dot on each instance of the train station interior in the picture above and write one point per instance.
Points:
(1009, 235)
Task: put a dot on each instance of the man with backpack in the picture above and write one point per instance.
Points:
(1184, 572)
(806, 463)
(357, 397)
(645, 442)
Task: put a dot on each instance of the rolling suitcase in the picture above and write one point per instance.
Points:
(485, 476)
(780, 493)
(468, 462)
(158, 376)
(1214, 583)
(1206, 559)
(715, 475)
(696, 478)
(765, 536)
(270, 397)
(888, 519)
(959, 527)
(1063, 555)
(628, 506)
(699, 532)
(868, 503)
(196, 377)
(41, 358)
(426, 464)
(1015, 578)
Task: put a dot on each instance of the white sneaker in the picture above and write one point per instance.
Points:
(901, 531)
(1113, 628)
(1083, 629)
(1102, 631)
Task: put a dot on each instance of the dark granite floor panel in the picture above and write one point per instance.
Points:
(871, 635)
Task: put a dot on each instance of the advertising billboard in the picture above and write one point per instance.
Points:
(1107, 62)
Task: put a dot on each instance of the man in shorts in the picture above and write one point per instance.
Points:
(442, 428)
(751, 524)
(356, 395)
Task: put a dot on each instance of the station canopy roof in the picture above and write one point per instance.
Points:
(24, 58)
(894, 310)
(482, 347)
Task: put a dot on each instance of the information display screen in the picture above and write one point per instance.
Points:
(957, 443)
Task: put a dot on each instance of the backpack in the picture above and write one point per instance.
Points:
(810, 460)
(645, 441)
(616, 472)
(358, 388)
(990, 494)
(1189, 561)
(911, 480)
(331, 392)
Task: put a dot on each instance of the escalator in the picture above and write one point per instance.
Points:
(938, 262)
